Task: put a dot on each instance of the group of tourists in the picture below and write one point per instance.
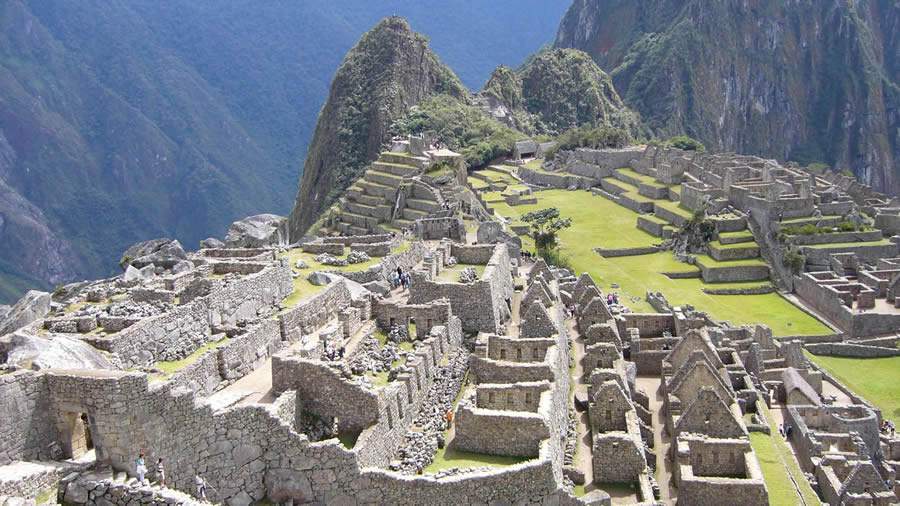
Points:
(400, 279)
(887, 427)
(140, 467)
(612, 298)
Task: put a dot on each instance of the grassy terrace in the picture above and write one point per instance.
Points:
(737, 245)
(708, 261)
(599, 222)
(648, 180)
(497, 176)
(475, 183)
(780, 469)
(878, 385)
(304, 289)
(808, 219)
(622, 185)
(673, 207)
(742, 234)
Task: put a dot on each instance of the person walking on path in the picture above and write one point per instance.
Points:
(140, 467)
(201, 487)
(160, 473)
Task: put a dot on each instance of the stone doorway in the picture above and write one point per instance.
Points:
(77, 438)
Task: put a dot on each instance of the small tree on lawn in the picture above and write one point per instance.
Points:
(545, 224)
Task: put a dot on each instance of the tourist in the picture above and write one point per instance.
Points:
(781, 429)
(160, 473)
(400, 272)
(201, 487)
(615, 297)
(140, 467)
(395, 280)
(341, 352)
(787, 432)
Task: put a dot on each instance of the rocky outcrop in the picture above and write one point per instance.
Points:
(389, 70)
(165, 253)
(556, 90)
(804, 80)
(31, 307)
(38, 353)
(257, 231)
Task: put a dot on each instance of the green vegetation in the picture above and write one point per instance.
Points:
(446, 458)
(46, 496)
(812, 229)
(348, 439)
(838, 245)
(599, 222)
(303, 288)
(686, 143)
(463, 127)
(794, 260)
(878, 384)
(780, 469)
(590, 137)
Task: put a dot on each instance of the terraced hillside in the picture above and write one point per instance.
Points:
(610, 219)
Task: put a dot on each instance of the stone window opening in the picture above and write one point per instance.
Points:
(503, 354)
(536, 354)
(509, 399)
(518, 354)
(528, 398)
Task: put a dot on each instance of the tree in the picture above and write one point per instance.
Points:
(545, 224)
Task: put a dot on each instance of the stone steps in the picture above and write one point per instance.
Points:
(736, 237)
(429, 206)
(364, 210)
(411, 214)
(369, 200)
(395, 169)
(383, 178)
(418, 162)
(358, 220)
(376, 189)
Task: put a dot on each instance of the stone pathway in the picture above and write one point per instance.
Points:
(661, 441)
(583, 455)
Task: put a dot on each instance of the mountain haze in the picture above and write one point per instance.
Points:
(126, 120)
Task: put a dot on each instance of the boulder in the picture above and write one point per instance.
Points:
(4, 310)
(60, 352)
(258, 231)
(319, 278)
(488, 232)
(132, 275)
(34, 305)
(379, 287)
(183, 266)
(163, 253)
(211, 243)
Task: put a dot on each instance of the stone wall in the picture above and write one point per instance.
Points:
(425, 316)
(482, 305)
(315, 311)
(26, 431)
(512, 433)
(336, 249)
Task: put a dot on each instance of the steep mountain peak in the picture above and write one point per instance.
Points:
(556, 90)
(389, 70)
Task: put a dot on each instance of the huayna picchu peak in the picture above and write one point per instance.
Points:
(652, 261)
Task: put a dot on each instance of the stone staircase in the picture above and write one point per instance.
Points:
(387, 197)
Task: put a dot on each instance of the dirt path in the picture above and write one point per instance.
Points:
(661, 441)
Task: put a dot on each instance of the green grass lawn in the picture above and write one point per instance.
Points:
(875, 379)
(475, 183)
(447, 458)
(673, 207)
(304, 289)
(599, 222)
(776, 463)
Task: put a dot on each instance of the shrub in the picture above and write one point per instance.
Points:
(686, 143)
(808, 229)
(794, 260)
(589, 136)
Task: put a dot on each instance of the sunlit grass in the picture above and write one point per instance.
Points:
(876, 379)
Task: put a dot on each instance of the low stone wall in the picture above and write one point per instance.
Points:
(336, 249)
(853, 324)
(734, 273)
(554, 180)
(375, 249)
(851, 350)
(358, 239)
(626, 252)
(869, 253)
(315, 311)
(513, 433)
(759, 290)
(425, 316)
(835, 237)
